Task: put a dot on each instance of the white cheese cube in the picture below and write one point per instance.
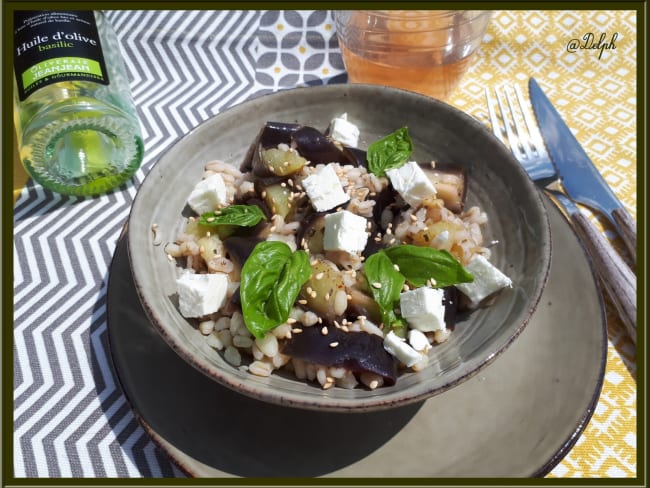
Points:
(201, 294)
(396, 346)
(345, 231)
(343, 131)
(487, 280)
(423, 308)
(324, 189)
(208, 195)
(418, 340)
(412, 183)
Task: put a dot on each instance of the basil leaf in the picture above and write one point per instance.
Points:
(385, 284)
(390, 152)
(421, 264)
(271, 279)
(241, 215)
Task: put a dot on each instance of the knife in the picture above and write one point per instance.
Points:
(580, 178)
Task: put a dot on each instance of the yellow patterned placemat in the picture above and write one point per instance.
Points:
(586, 63)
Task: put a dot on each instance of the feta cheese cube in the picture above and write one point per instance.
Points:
(324, 189)
(396, 346)
(423, 308)
(201, 294)
(343, 131)
(208, 194)
(412, 183)
(345, 231)
(487, 280)
(418, 340)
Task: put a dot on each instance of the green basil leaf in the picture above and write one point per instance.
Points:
(240, 215)
(385, 284)
(390, 152)
(421, 264)
(271, 279)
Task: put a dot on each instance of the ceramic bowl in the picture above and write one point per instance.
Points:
(518, 225)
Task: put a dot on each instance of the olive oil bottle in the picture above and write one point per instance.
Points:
(77, 128)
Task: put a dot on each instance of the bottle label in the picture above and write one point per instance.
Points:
(55, 46)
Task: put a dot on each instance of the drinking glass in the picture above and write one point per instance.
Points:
(427, 51)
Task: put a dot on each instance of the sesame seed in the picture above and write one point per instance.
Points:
(376, 284)
(302, 302)
(273, 228)
(309, 290)
(296, 330)
(406, 287)
(290, 182)
(319, 276)
(337, 325)
(286, 163)
(313, 294)
(324, 330)
(283, 184)
(264, 194)
(334, 344)
(170, 257)
(291, 320)
(344, 328)
(319, 320)
(348, 296)
(396, 267)
(413, 218)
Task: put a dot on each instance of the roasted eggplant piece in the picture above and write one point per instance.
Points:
(312, 231)
(324, 292)
(239, 248)
(357, 351)
(319, 149)
(362, 304)
(450, 182)
(304, 143)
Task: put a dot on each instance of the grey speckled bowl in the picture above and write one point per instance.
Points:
(497, 183)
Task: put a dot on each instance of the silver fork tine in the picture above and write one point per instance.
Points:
(494, 121)
(513, 140)
(535, 139)
(522, 137)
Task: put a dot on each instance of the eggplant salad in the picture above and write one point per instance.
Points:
(337, 265)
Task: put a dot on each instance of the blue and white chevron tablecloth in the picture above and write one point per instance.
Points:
(71, 418)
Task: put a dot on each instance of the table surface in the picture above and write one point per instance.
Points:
(70, 416)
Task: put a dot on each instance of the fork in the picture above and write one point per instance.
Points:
(515, 126)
